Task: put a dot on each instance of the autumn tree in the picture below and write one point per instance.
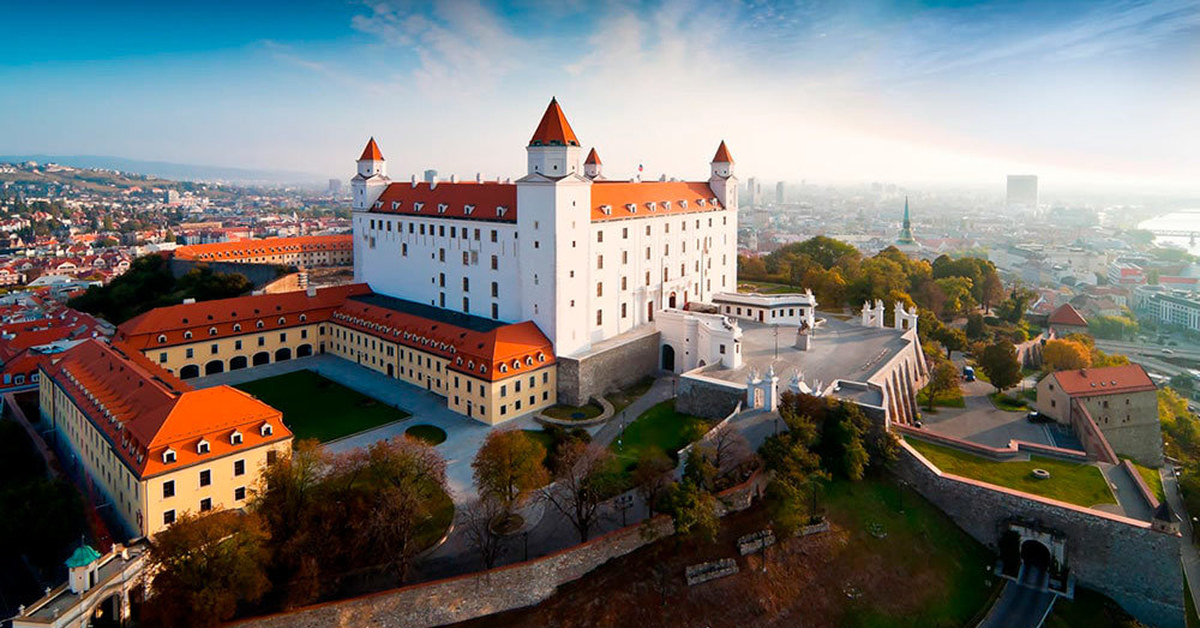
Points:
(728, 449)
(952, 339)
(203, 566)
(791, 495)
(583, 479)
(991, 291)
(1065, 355)
(693, 509)
(942, 379)
(509, 466)
(999, 363)
(652, 475)
(476, 521)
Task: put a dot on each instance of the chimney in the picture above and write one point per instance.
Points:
(189, 301)
(454, 178)
(312, 291)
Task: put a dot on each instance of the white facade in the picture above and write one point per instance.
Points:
(697, 339)
(584, 259)
(771, 309)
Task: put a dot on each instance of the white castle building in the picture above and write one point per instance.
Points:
(584, 257)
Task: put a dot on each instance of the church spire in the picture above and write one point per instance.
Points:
(906, 236)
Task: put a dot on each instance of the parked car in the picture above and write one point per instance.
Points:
(1168, 351)
(1038, 417)
(969, 373)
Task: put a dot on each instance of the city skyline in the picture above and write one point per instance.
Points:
(1079, 93)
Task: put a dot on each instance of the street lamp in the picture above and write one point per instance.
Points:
(525, 536)
(624, 503)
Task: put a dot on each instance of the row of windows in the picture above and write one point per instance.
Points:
(419, 229)
(237, 327)
(239, 494)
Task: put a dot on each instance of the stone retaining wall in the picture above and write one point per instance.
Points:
(1120, 557)
(487, 592)
(706, 397)
(623, 365)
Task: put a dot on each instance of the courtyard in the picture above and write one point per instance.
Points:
(317, 407)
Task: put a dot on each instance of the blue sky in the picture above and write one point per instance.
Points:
(1082, 93)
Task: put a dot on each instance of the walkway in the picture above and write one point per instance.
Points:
(464, 436)
(1024, 604)
(981, 422)
(1189, 555)
(607, 432)
(1129, 497)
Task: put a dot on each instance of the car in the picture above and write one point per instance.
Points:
(1037, 417)
(1168, 351)
(968, 373)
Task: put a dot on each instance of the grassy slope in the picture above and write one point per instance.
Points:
(1070, 482)
(660, 426)
(430, 434)
(315, 407)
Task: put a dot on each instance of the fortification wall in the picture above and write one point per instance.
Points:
(580, 379)
(708, 398)
(258, 274)
(488, 592)
(1122, 558)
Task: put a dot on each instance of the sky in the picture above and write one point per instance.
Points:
(1083, 93)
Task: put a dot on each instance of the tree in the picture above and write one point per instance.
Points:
(841, 445)
(952, 339)
(652, 475)
(1065, 355)
(957, 291)
(942, 378)
(728, 448)
(1013, 308)
(477, 520)
(698, 466)
(693, 509)
(791, 495)
(975, 327)
(509, 466)
(584, 478)
(991, 291)
(203, 566)
(999, 363)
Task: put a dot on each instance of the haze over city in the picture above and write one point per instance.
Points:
(1099, 95)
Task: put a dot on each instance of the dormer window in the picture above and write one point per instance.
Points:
(282, 320)
(606, 210)
(187, 335)
(503, 368)
(631, 207)
(168, 456)
(516, 364)
(701, 202)
(666, 205)
(683, 204)
(265, 430)
(161, 339)
(237, 327)
(418, 206)
(541, 357)
(303, 317)
(500, 211)
(468, 210)
(235, 438)
(212, 331)
(378, 204)
(259, 324)
(202, 447)
(529, 361)
(652, 206)
(395, 205)
(442, 207)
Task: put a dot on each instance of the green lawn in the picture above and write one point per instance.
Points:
(431, 530)
(922, 545)
(1004, 402)
(948, 399)
(660, 426)
(1080, 484)
(573, 413)
(622, 398)
(430, 434)
(1152, 479)
(1091, 609)
(316, 407)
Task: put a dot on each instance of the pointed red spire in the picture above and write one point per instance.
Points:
(592, 158)
(371, 152)
(554, 130)
(722, 156)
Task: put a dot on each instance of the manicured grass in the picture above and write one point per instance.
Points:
(430, 434)
(573, 413)
(431, 530)
(622, 398)
(922, 545)
(660, 426)
(1080, 484)
(1004, 402)
(1153, 480)
(948, 399)
(766, 287)
(316, 407)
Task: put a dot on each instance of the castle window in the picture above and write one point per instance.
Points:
(161, 339)
(237, 327)
(235, 438)
(259, 324)
(202, 447)
(187, 335)
(212, 331)
(265, 430)
(282, 320)
(503, 369)
(599, 317)
(168, 456)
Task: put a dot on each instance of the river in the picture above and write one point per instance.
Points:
(1182, 220)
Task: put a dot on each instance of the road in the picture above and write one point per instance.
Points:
(1189, 556)
(1022, 604)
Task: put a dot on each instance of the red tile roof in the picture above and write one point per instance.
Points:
(722, 155)
(1067, 315)
(243, 249)
(593, 158)
(172, 323)
(142, 410)
(464, 200)
(554, 130)
(612, 200)
(520, 347)
(1111, 380)
(371, 152)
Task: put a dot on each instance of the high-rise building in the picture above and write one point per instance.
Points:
(779, 187)
(1022, 192)
(753, 191)
(335, 187)
(431, 175)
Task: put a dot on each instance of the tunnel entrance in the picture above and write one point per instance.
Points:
(1035, 554)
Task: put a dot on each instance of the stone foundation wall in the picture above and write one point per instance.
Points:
(258, 274)
(488, 592)
(1122, 558)
(708, 398)
(597, 374)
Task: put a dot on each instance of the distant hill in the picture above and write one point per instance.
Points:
(173, 171)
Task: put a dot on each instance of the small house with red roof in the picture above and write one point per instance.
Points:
(1066, 320)
(1121, 400)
